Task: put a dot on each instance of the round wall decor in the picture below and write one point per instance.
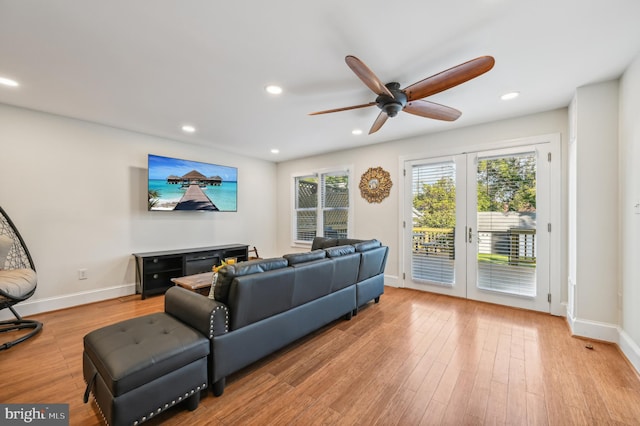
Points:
(375, 184)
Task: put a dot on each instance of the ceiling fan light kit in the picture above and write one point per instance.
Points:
(391, 99)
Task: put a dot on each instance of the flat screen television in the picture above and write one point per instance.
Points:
(177, 184)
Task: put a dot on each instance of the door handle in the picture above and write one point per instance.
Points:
(470, 239)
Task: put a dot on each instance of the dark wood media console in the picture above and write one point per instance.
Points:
(154, 270)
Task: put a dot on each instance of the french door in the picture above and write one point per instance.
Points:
(477, 226)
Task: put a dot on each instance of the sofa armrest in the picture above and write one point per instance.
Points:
(208, 316)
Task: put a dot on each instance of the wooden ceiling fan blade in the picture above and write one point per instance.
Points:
(367, 76)
(432, 110)
(382, 118)
(449, 78)
(343, 109)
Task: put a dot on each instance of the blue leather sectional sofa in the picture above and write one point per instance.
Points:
(265, 304)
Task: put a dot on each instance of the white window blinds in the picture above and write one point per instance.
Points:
(506, 218)
(434, 221)
(306, 222)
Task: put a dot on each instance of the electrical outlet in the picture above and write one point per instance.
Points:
(82, 274)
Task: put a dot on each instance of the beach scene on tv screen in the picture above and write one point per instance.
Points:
(176, 184)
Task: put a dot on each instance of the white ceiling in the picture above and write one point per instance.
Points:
(153, 65)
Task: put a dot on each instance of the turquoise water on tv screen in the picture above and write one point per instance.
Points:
(223, 196)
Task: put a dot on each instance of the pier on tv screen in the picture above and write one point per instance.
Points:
(176, 184)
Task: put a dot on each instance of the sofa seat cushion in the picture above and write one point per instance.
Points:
(227, 273)
(134, 352)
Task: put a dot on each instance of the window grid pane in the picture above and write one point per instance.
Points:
(335, 223)
(306, 221)
(335, 191)
(307, 192)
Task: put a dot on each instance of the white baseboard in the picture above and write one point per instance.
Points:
(630, 349)
(33, 307)
(608, 333)
(391, 281)
(594, 330)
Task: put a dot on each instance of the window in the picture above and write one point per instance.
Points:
(322, 205)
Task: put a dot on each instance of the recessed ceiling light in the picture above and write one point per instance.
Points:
(509, 96)
(356, 132)
(275, 151)
(188, 129)
(8, 82)
(273, 89)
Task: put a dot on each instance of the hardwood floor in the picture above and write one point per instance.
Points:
(414, 358)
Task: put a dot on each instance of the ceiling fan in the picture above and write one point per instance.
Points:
(391, 99)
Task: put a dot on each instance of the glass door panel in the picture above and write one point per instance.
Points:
(506, 221)
(507, 204)
(436, 209)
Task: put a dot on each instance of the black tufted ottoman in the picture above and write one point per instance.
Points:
(140, 367)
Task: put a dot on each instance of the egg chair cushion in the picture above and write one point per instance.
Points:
(17, 283)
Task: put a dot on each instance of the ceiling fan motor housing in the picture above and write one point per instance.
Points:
(392, 105)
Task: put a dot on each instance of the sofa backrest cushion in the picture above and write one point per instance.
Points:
(372, 262)
(339, 251)
(322, 243)
(227, 273)
(345, 270)
(348, 241)
(367, 245)
(295, 258)
(312, 280)
(255, 297)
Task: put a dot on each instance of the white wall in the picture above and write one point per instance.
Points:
(77, 193)
(629, 172)
(595, 307)
(382, 220)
